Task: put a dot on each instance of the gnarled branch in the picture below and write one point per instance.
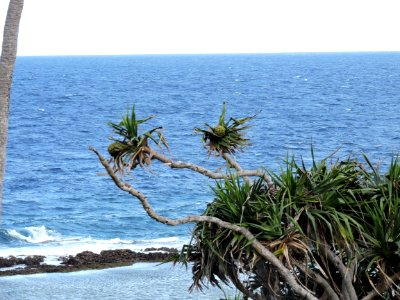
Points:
(320, 280)
(346, 273)
(210, 174)
(264, 252)
(233, 163)
(383, 287)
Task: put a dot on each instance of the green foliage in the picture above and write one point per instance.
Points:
(343, 209)
(131, 147)
(237, 296)
(226, 136)
(344, 205)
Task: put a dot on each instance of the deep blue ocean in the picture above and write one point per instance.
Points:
(56, 200)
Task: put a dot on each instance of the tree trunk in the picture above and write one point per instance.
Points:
(8, 56)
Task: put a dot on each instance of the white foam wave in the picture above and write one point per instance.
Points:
(171, 239)
(53, 245)
(34, 234)
(12, 268)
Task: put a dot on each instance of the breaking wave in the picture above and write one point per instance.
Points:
(39, 240)
(34, 235)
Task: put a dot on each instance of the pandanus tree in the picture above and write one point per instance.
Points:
(130, 148)
(227, 137)
(327, 231)
(8, 57)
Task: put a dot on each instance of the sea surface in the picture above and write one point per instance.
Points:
(56, 199)
(142, 281)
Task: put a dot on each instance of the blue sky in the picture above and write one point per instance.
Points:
(70, 27)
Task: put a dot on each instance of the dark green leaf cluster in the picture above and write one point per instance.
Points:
(347, 207)
(226, 136)
(131, 147)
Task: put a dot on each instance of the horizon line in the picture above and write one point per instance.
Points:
(214, 53)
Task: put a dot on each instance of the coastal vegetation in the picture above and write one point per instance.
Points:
(330, 230)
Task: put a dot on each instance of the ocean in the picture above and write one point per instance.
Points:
(56, 199)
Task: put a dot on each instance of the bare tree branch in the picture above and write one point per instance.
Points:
(210, 174)
(347, 273)
(320, 280)
(347, 281)
(382, 287)
(246, 291)
(258, 173)
(264, 252)
(232, 162)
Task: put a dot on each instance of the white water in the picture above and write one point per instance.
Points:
(42, 241)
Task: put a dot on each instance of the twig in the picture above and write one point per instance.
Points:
(210, 174)
(233, 163)
(320, 280)
(347, 273)
(383, 287)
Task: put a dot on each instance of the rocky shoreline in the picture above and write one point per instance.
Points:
(86, 260)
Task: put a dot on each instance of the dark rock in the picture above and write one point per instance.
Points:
(64, 259)
(69, 260)
(7, 262)
(33, 261)
(87, 257)
(10, 261)
(119, 255)
(85, 260)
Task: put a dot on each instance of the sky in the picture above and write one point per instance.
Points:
(101, 27)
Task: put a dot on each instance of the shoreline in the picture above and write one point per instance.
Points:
(142, 280)
(86, 260)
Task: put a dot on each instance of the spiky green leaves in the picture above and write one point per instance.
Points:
(226, 136)
(131, 148)
(347, 207)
